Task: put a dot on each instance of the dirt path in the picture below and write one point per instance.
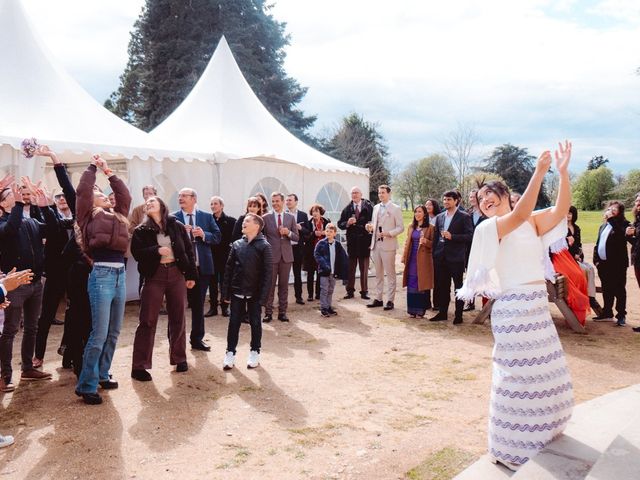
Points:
(365, 395)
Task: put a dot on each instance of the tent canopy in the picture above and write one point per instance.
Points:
(223, 114)
(39, 98)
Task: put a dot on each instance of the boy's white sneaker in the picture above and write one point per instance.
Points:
(254, 359)
(229, 361)
(6, 440)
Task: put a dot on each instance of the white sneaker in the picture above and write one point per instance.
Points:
(6, 440)
(229, 361)
(254, 359)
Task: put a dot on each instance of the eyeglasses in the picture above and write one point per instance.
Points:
(185, 195)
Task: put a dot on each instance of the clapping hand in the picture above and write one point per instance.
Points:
(14, 279)
(43, 197)
(6, 181)
(563, 157)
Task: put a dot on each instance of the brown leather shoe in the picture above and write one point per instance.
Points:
(34, 374)
(6, 385)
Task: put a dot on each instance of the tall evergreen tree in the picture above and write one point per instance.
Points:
(515, 166)
(172, 42)
(597, 162)
(358, 142)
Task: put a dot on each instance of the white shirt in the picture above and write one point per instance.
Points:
(332, 256)
(602, 242)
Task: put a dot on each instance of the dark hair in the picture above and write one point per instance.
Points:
(635, 210)
(451, 194)
(425, 220)
(295, 197)
(317, 206)
(620, 206)
(254, 201)
(265, 202)
(494, 186)
(164, 216)
(150, 187)
(435, 204)
(574, 214)
(255, 219)
(386, 187)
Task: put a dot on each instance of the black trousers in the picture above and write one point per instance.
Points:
(78, 317)
(215, 289)
(298, 256)
(54, 289)
(310, 282)
(444, 273)
(240, 308)
(196, 296)
(614, 287)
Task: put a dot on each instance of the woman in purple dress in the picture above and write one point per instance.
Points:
(418, 263)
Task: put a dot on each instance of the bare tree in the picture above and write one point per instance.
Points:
(458, 147)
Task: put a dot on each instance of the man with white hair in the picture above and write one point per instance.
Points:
(354, 219)
(203, 232)
(220, 254)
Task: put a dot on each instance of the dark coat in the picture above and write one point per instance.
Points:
(205, 221)
(576, 249)
(358, 239)
(616, 246)
(309, 263)
(221, 251)
(21, 240)
(248, 269)
(301, 219)
(635, 243)
(144, 248)
(454, 250)
(322, 256)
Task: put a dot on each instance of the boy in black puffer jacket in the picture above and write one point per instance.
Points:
(247, 281)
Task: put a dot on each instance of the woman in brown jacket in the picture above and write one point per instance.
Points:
(418, 263)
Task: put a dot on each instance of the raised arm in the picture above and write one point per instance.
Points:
(523, 209)
(84, 195)
(547, 219)
(62, 176)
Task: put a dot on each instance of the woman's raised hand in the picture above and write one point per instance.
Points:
(563, 156)
(544, 162)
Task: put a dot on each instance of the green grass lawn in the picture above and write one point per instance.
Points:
(589, 222)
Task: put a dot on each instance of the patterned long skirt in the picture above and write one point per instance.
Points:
(531, 392)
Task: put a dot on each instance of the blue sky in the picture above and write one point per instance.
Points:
(528, 72)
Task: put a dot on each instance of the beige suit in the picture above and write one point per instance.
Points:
(387, 219)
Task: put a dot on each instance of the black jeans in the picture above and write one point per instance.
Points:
(196, 296)
(239, 308)
(298, 258)
(310, 288)
(444, 272)
(78, 318)
(614, 287)
(27, 300)
(215, 287)
(54, 288)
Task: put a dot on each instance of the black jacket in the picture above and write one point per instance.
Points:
(21, 240)
(144, 248)
(310, 242)
(220, 251)
(301, 219)
(616, 246)
(635, 243)
(323, 258)
(358, 239)
(576, 249)
(248, 270)
(454, 250)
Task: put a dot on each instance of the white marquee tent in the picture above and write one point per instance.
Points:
(223, 114)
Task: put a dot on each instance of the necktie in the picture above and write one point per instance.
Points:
(279, 221)
(357, 212)
(190, 215)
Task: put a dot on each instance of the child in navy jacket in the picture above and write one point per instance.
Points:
(332, 263)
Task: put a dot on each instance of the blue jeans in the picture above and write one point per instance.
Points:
(107, 295)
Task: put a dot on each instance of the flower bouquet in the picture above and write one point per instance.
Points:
(29, 147)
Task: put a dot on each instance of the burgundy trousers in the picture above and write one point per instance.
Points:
(170, 283)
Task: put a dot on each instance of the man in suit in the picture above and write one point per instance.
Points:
(298, 247)
(353, 219)
(386, 224)
(453, 233)
(203, 232)
(281, 229)
(220, 254)
(611, 258)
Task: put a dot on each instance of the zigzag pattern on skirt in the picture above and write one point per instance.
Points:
(523, 327)
(526, 380)
(531, 395)
(529, 361)
(532, 412)
(524, 296)
(509, 458)
(513, 347)
(519, 312)
(526, 445)
(536, 427)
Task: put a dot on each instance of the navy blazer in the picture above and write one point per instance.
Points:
(461, 229)
(212, 236)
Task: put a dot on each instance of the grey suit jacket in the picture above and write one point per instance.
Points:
(280, 246)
